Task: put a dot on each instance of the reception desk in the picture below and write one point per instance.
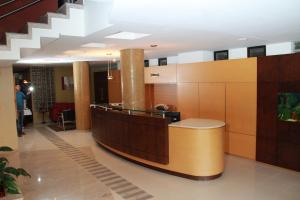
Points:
(191, 148)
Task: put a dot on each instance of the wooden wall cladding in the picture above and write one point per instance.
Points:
(278, 142)
(188, 100)
(142, 136)
(240, 70)
(222, 90)
(166, 94)
(212, 101)
(114, 87)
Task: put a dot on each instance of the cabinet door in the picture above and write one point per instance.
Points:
(161, 74)
(188, 100)
(212, 101)
(241, 107)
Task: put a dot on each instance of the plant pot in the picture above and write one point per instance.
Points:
(2, 192)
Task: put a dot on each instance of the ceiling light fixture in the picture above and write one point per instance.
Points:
(123, 35)
(109, 73)
(242, 39)
(94, 45)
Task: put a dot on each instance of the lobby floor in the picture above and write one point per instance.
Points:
(70, 165)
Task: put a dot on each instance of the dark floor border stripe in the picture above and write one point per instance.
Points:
(109, 178)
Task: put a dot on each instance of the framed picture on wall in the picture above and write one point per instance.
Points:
(162, 61)
(256, 51)
(221, 55)
(67, 83)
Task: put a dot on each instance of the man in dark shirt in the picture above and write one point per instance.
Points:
(20, 96)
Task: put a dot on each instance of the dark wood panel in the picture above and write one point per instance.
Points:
(17, 21)
(288, 156)
(268, 69)
(289, 68)
(142, 136)
(277, 141)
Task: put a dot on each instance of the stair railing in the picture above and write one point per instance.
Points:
(6, 2)
(19, 9)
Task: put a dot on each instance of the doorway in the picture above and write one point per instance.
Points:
(101, 87)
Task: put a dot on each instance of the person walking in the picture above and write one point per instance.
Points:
(20, 97)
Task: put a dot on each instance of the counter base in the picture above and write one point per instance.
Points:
(203, 178)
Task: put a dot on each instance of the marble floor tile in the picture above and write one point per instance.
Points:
(58, 175)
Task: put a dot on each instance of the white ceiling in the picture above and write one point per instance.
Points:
(184, 25)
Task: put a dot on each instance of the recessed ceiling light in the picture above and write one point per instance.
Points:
(242, 39)
(153, 45)
(94, 45)
(127, 35)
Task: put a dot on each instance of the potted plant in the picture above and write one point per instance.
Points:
(8, 175)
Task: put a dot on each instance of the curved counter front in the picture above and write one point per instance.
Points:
(191, 148)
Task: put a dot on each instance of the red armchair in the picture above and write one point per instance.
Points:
(57, 108)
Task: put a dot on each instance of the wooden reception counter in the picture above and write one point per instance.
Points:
(192, 148)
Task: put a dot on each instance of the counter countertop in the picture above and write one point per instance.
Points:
(198, 123)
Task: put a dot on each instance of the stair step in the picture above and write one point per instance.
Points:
(10, 36)
(56, 15)
(38, 25)
(4, 48)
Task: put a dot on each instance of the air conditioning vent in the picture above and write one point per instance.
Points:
(297, 47)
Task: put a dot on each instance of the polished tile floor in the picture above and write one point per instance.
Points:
(58, 174)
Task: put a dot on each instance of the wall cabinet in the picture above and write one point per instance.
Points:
(161, 74)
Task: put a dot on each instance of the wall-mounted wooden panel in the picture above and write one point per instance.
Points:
(242, 145)
(241, 107)
(212, 101)
(278, 142)
(241, 70)
(114, 87)
(166, 94)
(188, 100)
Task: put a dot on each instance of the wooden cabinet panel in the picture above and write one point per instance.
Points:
(241, 70)
(242, 145)
(188, 100)
(161, 74)
(241, 108)
(139, 135)
(212, 101)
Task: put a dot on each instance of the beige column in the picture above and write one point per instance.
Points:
(82, 95)
(8, 129)
(132, 76)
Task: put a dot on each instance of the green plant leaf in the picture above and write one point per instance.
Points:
(11, 187)
(13, 191)
(2, 159)
(23, 172)
(2, 166)
(5, 148)
(7, 177)
(12, 170)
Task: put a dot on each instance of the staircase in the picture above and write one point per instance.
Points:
(69, 20)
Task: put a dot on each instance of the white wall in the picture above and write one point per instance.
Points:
(279, 48)
(96, 15)
(238, 53)
(195, 56)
